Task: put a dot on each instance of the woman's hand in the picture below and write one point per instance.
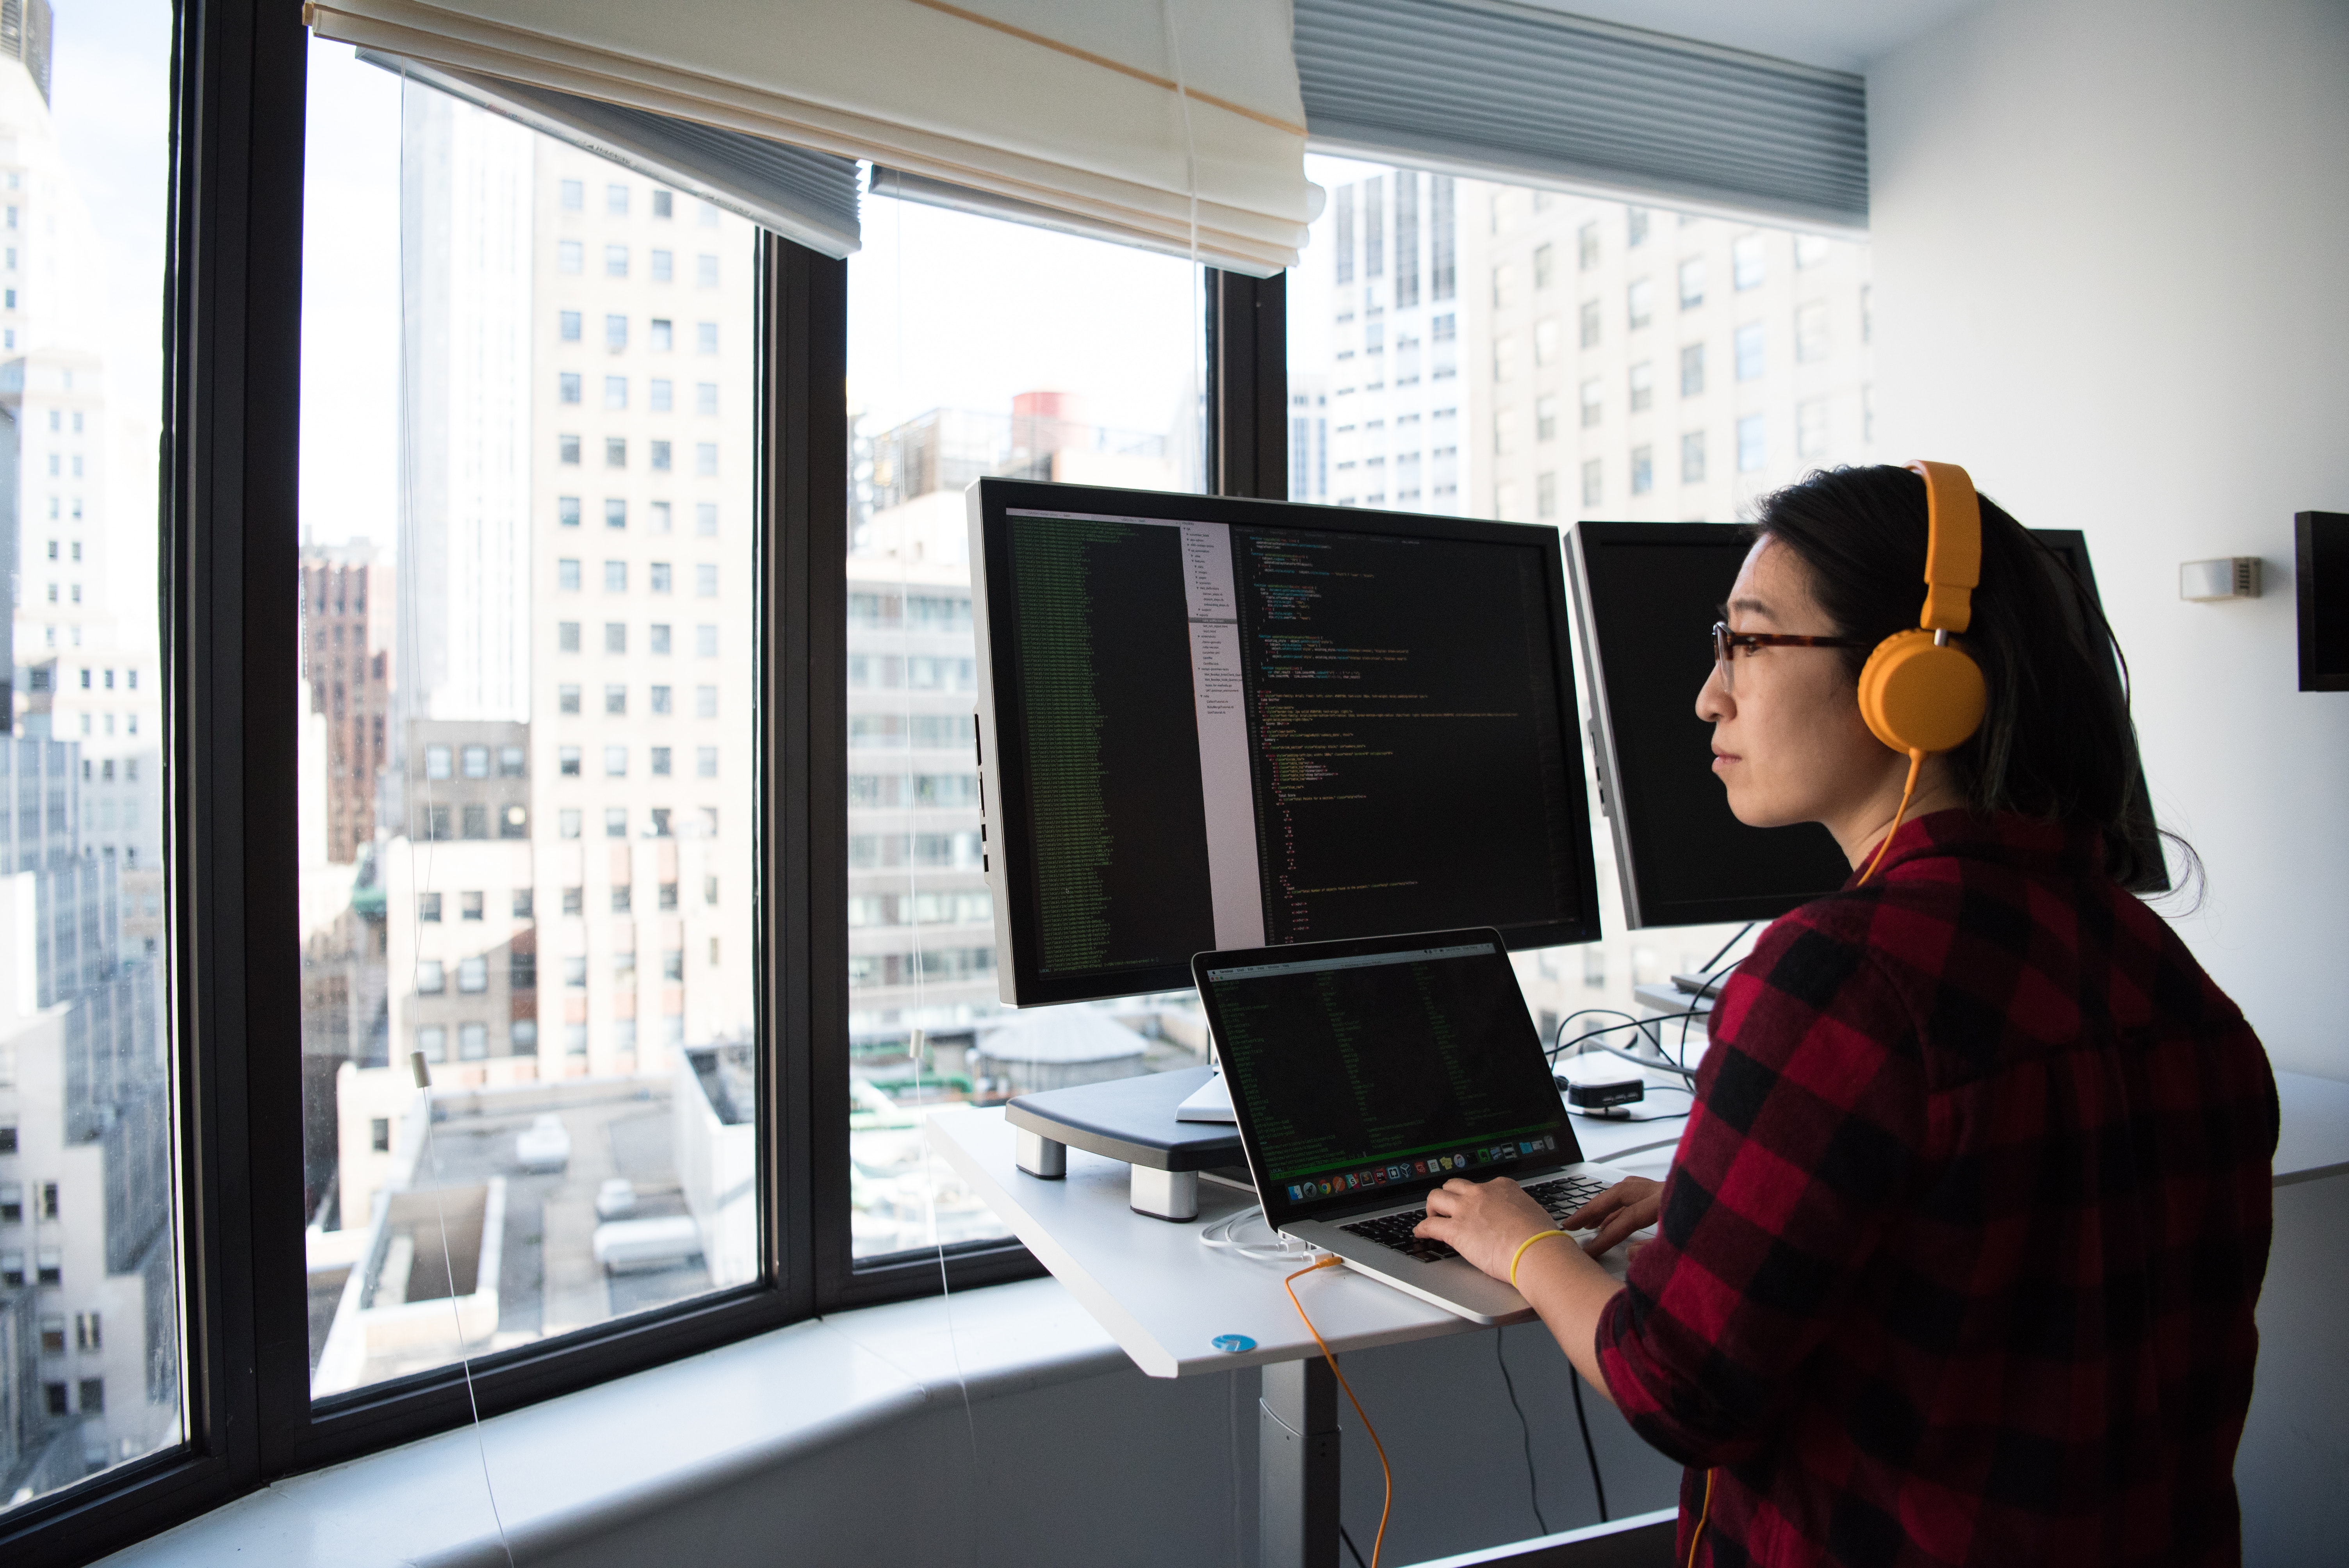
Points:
(1484, 1222)
(1632, 1204)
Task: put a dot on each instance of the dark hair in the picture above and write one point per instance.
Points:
(2056, 742)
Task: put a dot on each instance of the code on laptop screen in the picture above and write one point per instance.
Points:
(1376, 1067)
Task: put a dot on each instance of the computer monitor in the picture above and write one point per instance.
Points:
(1211, 723)
(1646, 596)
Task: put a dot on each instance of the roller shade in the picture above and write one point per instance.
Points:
(809, 197)
(1490, 89)
(1151, 118)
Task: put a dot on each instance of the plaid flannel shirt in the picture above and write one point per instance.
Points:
(1957, 1259)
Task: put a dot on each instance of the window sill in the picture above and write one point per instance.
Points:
(575, 1466)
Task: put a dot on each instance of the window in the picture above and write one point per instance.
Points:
(705, 459)
(660, 761)
(1811, 429)
(616, 261)
(1591, 482)
(1745, 262)
(1546, 341)
(660, 517)
(1546, 419)
(570, 256)
(1810, 250)
(660, 394)
(435, 761)
(1692, 370)
(1593, 402)
(1693, 458)
(431, 977)
(616, 451)
(660, 699)
(615, 577)
(705, 518)
(379, 1134)
(567, 574)
(1586, 246)
(616, 762)
(1692, 282)
(567, 761)
(616, 199)
(476, 761)
(705, 338)
(569, 818)
(567, 326)
(1546, 496)
(566, 449)
(566, 383)
(566, 511)
(1589, 323)
(1643, 469)
(615, 822)
(1640, 301)
(1811, 333)
(664, 264)
(616, 333)
(1635, 226)
(658, 332)
(705, 762)
(705, 641)
(704, 702)
(1545, 265)
(705, 581)
(657, 635)
(657, 576)
(615, 636)
(428, 906)
(616, 393)
(705, 271)
(662, 201)
(661, 463)
(1752, 452)
(616, 512)
(616, 700)
(704, 398)
(1644, 387)
(566, 636)
(472, 975)
(574, 195)
(1749, 351)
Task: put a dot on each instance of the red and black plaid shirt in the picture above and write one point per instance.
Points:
(1957, 1259)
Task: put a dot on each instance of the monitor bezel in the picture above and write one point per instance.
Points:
(1641, 909)
(1278, 1208)
(1005, 841)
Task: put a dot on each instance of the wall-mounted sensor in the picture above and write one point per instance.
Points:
(2229, 577)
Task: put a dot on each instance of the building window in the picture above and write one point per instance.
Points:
(704, 702)
(1593, 403)
(615, 200)
(659, 577)
(1745, 263)
(567, 325)
(1752, 452)
(1692, 370)
(660, 761)
(1811, 429)
(616, 333)
(661, 331)
(1810, 332)
(431, 977)
(566, 636)
(1810, 250)
(472, 1040)
(1635, 227)
(1693, 458)
(428, 906)
(1692, 282)
(566, 449)
(570, 256)
(660, 699)
(616, 261)
(615, 636)
(616, 451)
(705, 762)
(475, 761)
(1644, 387)
(1546, 496)
(661, 460)
(1586, 246)
(657, 634)
(660, 394)
(664, 266)
(379, 1134)
(566, 511)
(616, 392)
(567, 761)
(1590, 486)
(705, 338)
(1589, 323)
(567, 574)
(472, 975)
(566, 386)
(705, 641)
(616, 700)
(1749, 351)
(616, 762)
(1545, 265)
(615, 577)
(1640, 301)
(1643, 469)
(574, 195)
(705, 459)
(615, 822)
(1546, 419)
(567, 824)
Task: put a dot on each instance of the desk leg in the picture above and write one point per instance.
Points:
(1040, 1156)
(1296, 1466)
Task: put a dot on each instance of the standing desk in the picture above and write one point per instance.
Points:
(1165, 1298)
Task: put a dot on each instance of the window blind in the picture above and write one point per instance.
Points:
(1497, 90)
(809, 197)
(1178, 121)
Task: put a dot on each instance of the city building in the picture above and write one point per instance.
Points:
(346, 620)
(1398, 405)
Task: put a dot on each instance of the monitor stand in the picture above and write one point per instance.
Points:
(1133, 1120)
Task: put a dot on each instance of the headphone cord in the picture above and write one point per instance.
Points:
(1916, 766)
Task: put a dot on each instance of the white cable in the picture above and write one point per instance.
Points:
(1279, 1249)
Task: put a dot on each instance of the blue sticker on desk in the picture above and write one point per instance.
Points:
(1232, 1344)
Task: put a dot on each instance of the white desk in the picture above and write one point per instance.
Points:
(1164, 1298)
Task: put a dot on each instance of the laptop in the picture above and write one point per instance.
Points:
(1365, 1073)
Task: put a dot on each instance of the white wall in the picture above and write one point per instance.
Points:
(2109, 238)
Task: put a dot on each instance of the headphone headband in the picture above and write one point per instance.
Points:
(1952, 547)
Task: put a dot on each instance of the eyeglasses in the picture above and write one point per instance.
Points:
(1725, 643)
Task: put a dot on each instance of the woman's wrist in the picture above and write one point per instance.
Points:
(1518, 1256)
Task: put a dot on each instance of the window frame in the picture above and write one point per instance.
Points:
(229, 541)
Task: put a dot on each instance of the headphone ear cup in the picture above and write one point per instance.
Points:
(1917, 696)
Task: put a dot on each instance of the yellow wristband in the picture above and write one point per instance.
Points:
(1529, 1241)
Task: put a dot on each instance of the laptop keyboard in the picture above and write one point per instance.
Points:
(1559, 1197)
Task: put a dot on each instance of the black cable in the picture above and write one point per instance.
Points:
(1525, 1429)
(1726, 946)
(1590, 1451)
(1352, 1547)
(1661, 1062)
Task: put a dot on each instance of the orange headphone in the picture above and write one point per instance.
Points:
(1920, 692)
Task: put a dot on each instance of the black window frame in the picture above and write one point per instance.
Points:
(228, 487)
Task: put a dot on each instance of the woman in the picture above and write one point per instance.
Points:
(1957, 1258)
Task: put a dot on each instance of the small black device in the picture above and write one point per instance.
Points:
(1208, 722)
(1601, 1096)
(2321, 576)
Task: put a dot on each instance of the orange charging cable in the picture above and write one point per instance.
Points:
(1703, 1515)
(1385, 1474)
(1916, 766)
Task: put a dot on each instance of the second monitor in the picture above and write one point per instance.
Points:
(1214, 723)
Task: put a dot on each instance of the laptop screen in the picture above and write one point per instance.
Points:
(1353, 1071)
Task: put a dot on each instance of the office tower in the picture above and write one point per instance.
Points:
(645, 635)
(25, 38)
(1396, 401)
(466, 274)
(346, 616)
